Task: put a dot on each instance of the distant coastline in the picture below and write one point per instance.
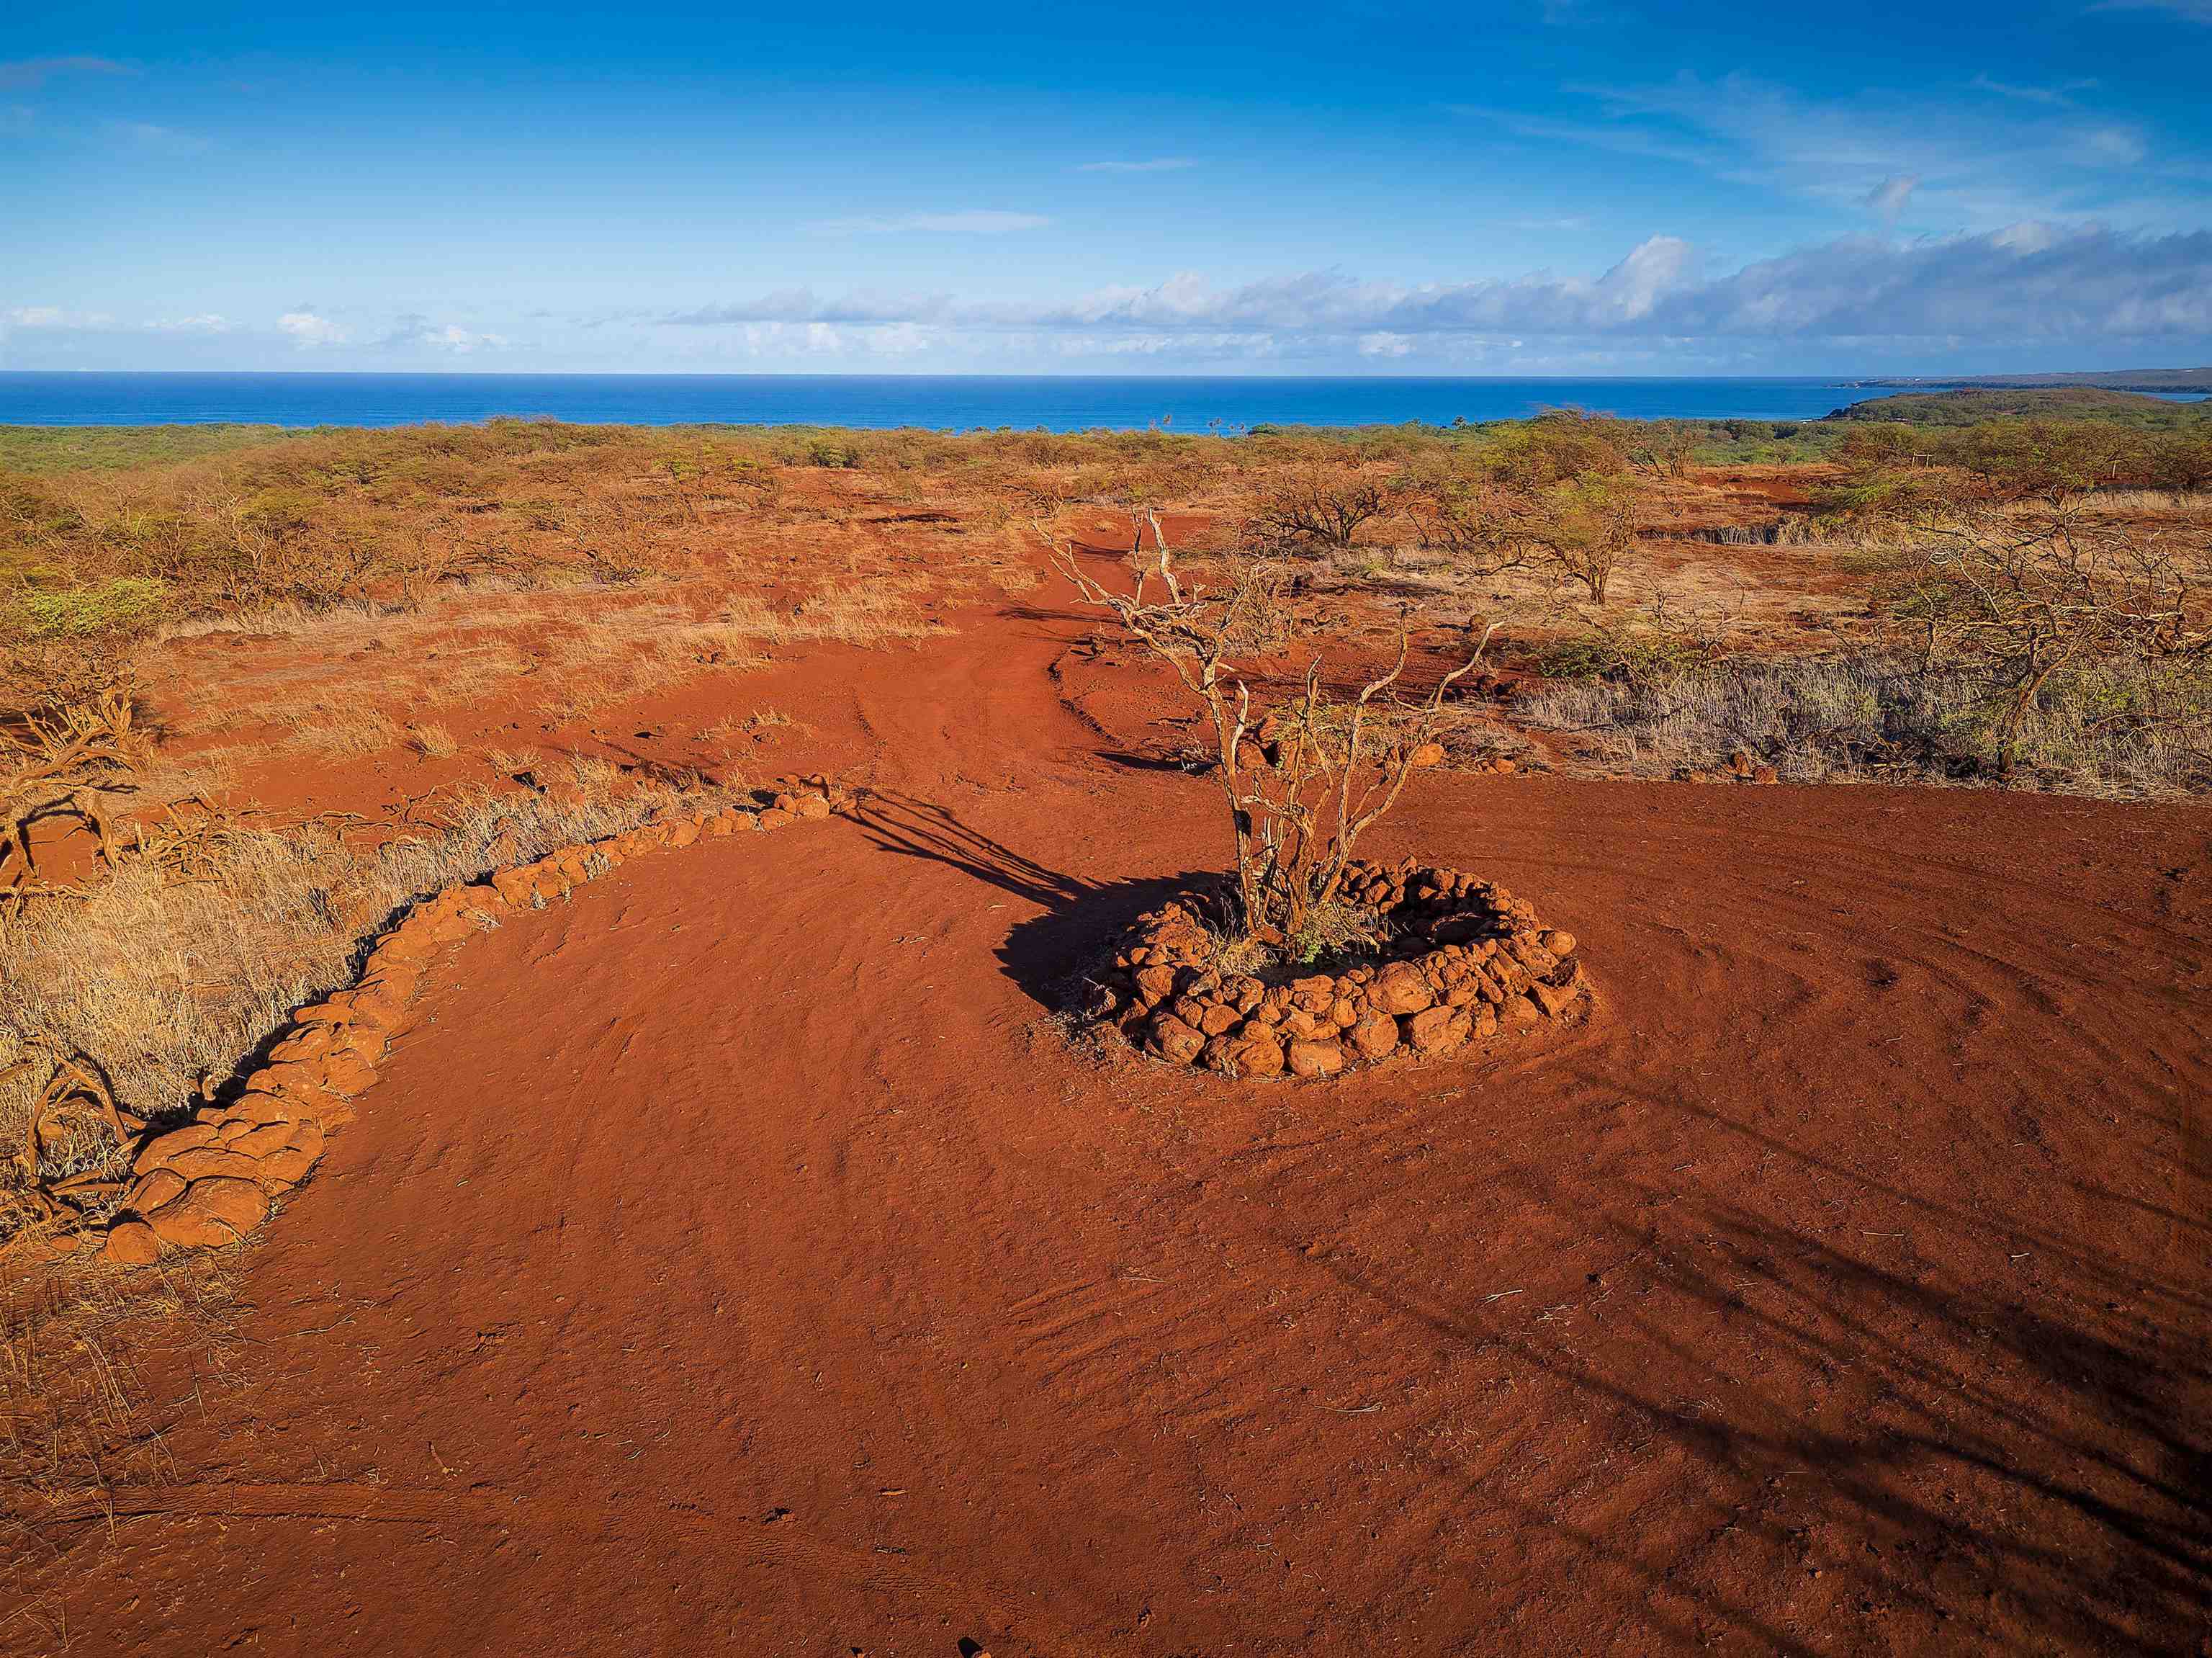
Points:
(947, 403)
(2117, 380)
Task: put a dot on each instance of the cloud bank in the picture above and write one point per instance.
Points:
(2025, 283)
(2032, 295)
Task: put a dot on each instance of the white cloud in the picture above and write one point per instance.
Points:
(1385, 344)
(208, 323)
(151, 139)
(306, 329)
(971, 221)
(2113, 146)
(1165, 164)
(37, 71)
(1888, 198)
(1980, 164)
(53, 318)
(2057, 97)
(2026, 282)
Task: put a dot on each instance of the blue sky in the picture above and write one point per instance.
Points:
(1565, 187)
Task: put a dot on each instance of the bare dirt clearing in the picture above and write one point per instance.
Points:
(738, 1256)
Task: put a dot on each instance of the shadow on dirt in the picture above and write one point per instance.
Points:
(2034, 1466)
(1049, 954)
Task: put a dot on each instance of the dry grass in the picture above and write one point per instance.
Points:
(1877, 715)
(432, 741)
(72, 1336)
(166, 982)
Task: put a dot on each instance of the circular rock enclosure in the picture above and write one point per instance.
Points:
(213, 1179)
(1464, 961)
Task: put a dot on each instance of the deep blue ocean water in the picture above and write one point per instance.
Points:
(950, 403)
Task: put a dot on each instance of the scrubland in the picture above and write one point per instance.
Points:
(257, 690)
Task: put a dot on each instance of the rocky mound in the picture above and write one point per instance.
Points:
(1466, 961)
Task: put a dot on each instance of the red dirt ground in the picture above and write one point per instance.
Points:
(738, 1258)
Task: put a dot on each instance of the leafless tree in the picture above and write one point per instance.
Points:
(2019, 601)
(1302, 783)
(1322, 506)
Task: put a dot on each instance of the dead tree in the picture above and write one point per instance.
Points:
(1302, 784)
(2016, 603)
(67, 765)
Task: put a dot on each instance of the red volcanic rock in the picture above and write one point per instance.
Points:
(156, 1152)
(133, 1243)
(1471, 960)
(1374, 1036)
(1552, 998)
(349, 1073)
(213, 1162)
(1429, 1032)
(260, 1139)
(1315, 1059)
(810, 806)
(1258, 1054)
(775, 818)
(211, 1213)
(149, 1191)
(1401, 988)
(1176, 1040)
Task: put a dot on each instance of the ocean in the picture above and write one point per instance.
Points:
(942, 403)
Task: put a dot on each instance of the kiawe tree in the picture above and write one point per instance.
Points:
(1301, 782)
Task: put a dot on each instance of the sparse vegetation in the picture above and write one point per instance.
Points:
(1302, 781)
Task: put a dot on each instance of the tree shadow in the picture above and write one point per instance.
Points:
(2019, 1459)
(1048, 955)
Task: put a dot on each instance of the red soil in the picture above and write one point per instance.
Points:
(736, 1258)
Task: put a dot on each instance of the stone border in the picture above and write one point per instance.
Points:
(212, 1180)
(1480, 963)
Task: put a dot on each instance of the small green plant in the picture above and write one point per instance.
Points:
(127, 604)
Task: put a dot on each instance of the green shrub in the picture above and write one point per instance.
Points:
(128, 604)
